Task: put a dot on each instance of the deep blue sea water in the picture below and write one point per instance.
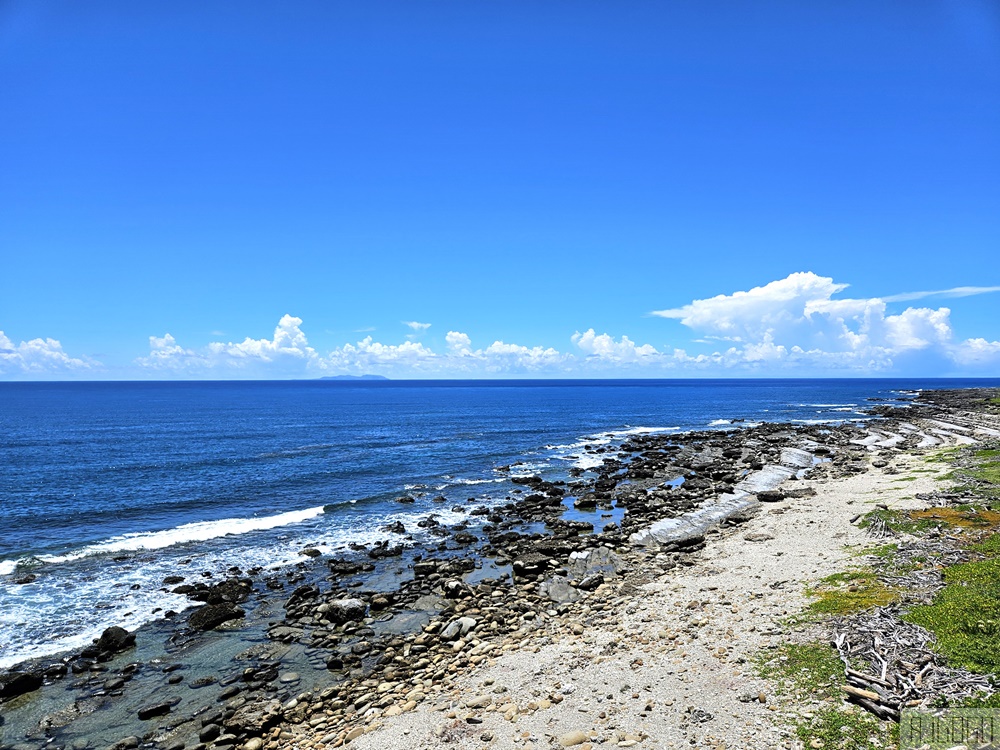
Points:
(105, 488)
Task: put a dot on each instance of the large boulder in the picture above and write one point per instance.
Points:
(15, 683)
(212, 616)
(233, 590)
(254, 718)
(113, 641)
(340, 611)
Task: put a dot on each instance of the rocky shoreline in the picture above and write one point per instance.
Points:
(314, 655)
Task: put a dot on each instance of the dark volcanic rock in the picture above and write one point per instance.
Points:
(115, 639)
(13, 684)
(340, 611)
(211, 616)
(154, 710)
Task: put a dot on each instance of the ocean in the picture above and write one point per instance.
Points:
(107, 488)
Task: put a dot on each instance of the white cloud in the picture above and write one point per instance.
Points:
(795, 323)
(416, 326)
(286, 354)
(793, 326)
(603, 347)
(288, 341)
(977, 352)
(460, 358)
(458, 343)
(39, 358)
(958, 291)
(371, 357)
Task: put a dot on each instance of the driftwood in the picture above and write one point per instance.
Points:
(890, 664)
(901, 669)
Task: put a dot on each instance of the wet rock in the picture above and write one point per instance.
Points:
(384, 549)
(17, 683)
(456, 590)
(212, 616)
(232, 590)
(209, 732)
(115, 640)
(340, 611)
(156, 709)
(530, 564)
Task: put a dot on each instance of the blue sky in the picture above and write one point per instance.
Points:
(234, 190)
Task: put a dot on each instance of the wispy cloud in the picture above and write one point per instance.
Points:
(958, 291)
(416, 326)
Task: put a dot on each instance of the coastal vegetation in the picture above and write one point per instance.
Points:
(962, 613)
(849, 592)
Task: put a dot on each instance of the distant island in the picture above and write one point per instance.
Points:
(354, 377)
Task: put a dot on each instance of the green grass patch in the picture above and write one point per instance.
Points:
(987, 466)
(851, 591)
(943, 456)
(885, 551)
(848, 728)
(812, 671)
(989, 546)
(965, 614)
(897, 520)
(805, 669)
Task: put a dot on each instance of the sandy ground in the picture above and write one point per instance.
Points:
(663, 659)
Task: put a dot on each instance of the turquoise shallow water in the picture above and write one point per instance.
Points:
(106, 488)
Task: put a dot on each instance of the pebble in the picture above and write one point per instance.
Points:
(571, 739)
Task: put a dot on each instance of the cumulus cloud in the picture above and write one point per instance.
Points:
(799, 325)
(458, 343)
(39, 358)
(796, 322)
(459, 358)
(604, 348)
(371, 357)
(286, 354)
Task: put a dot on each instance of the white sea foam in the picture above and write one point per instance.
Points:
(190, 532)
(589, 460)
(603, 438)
(7, 567)
(640, 431)
(460, 480)
(719, 422)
